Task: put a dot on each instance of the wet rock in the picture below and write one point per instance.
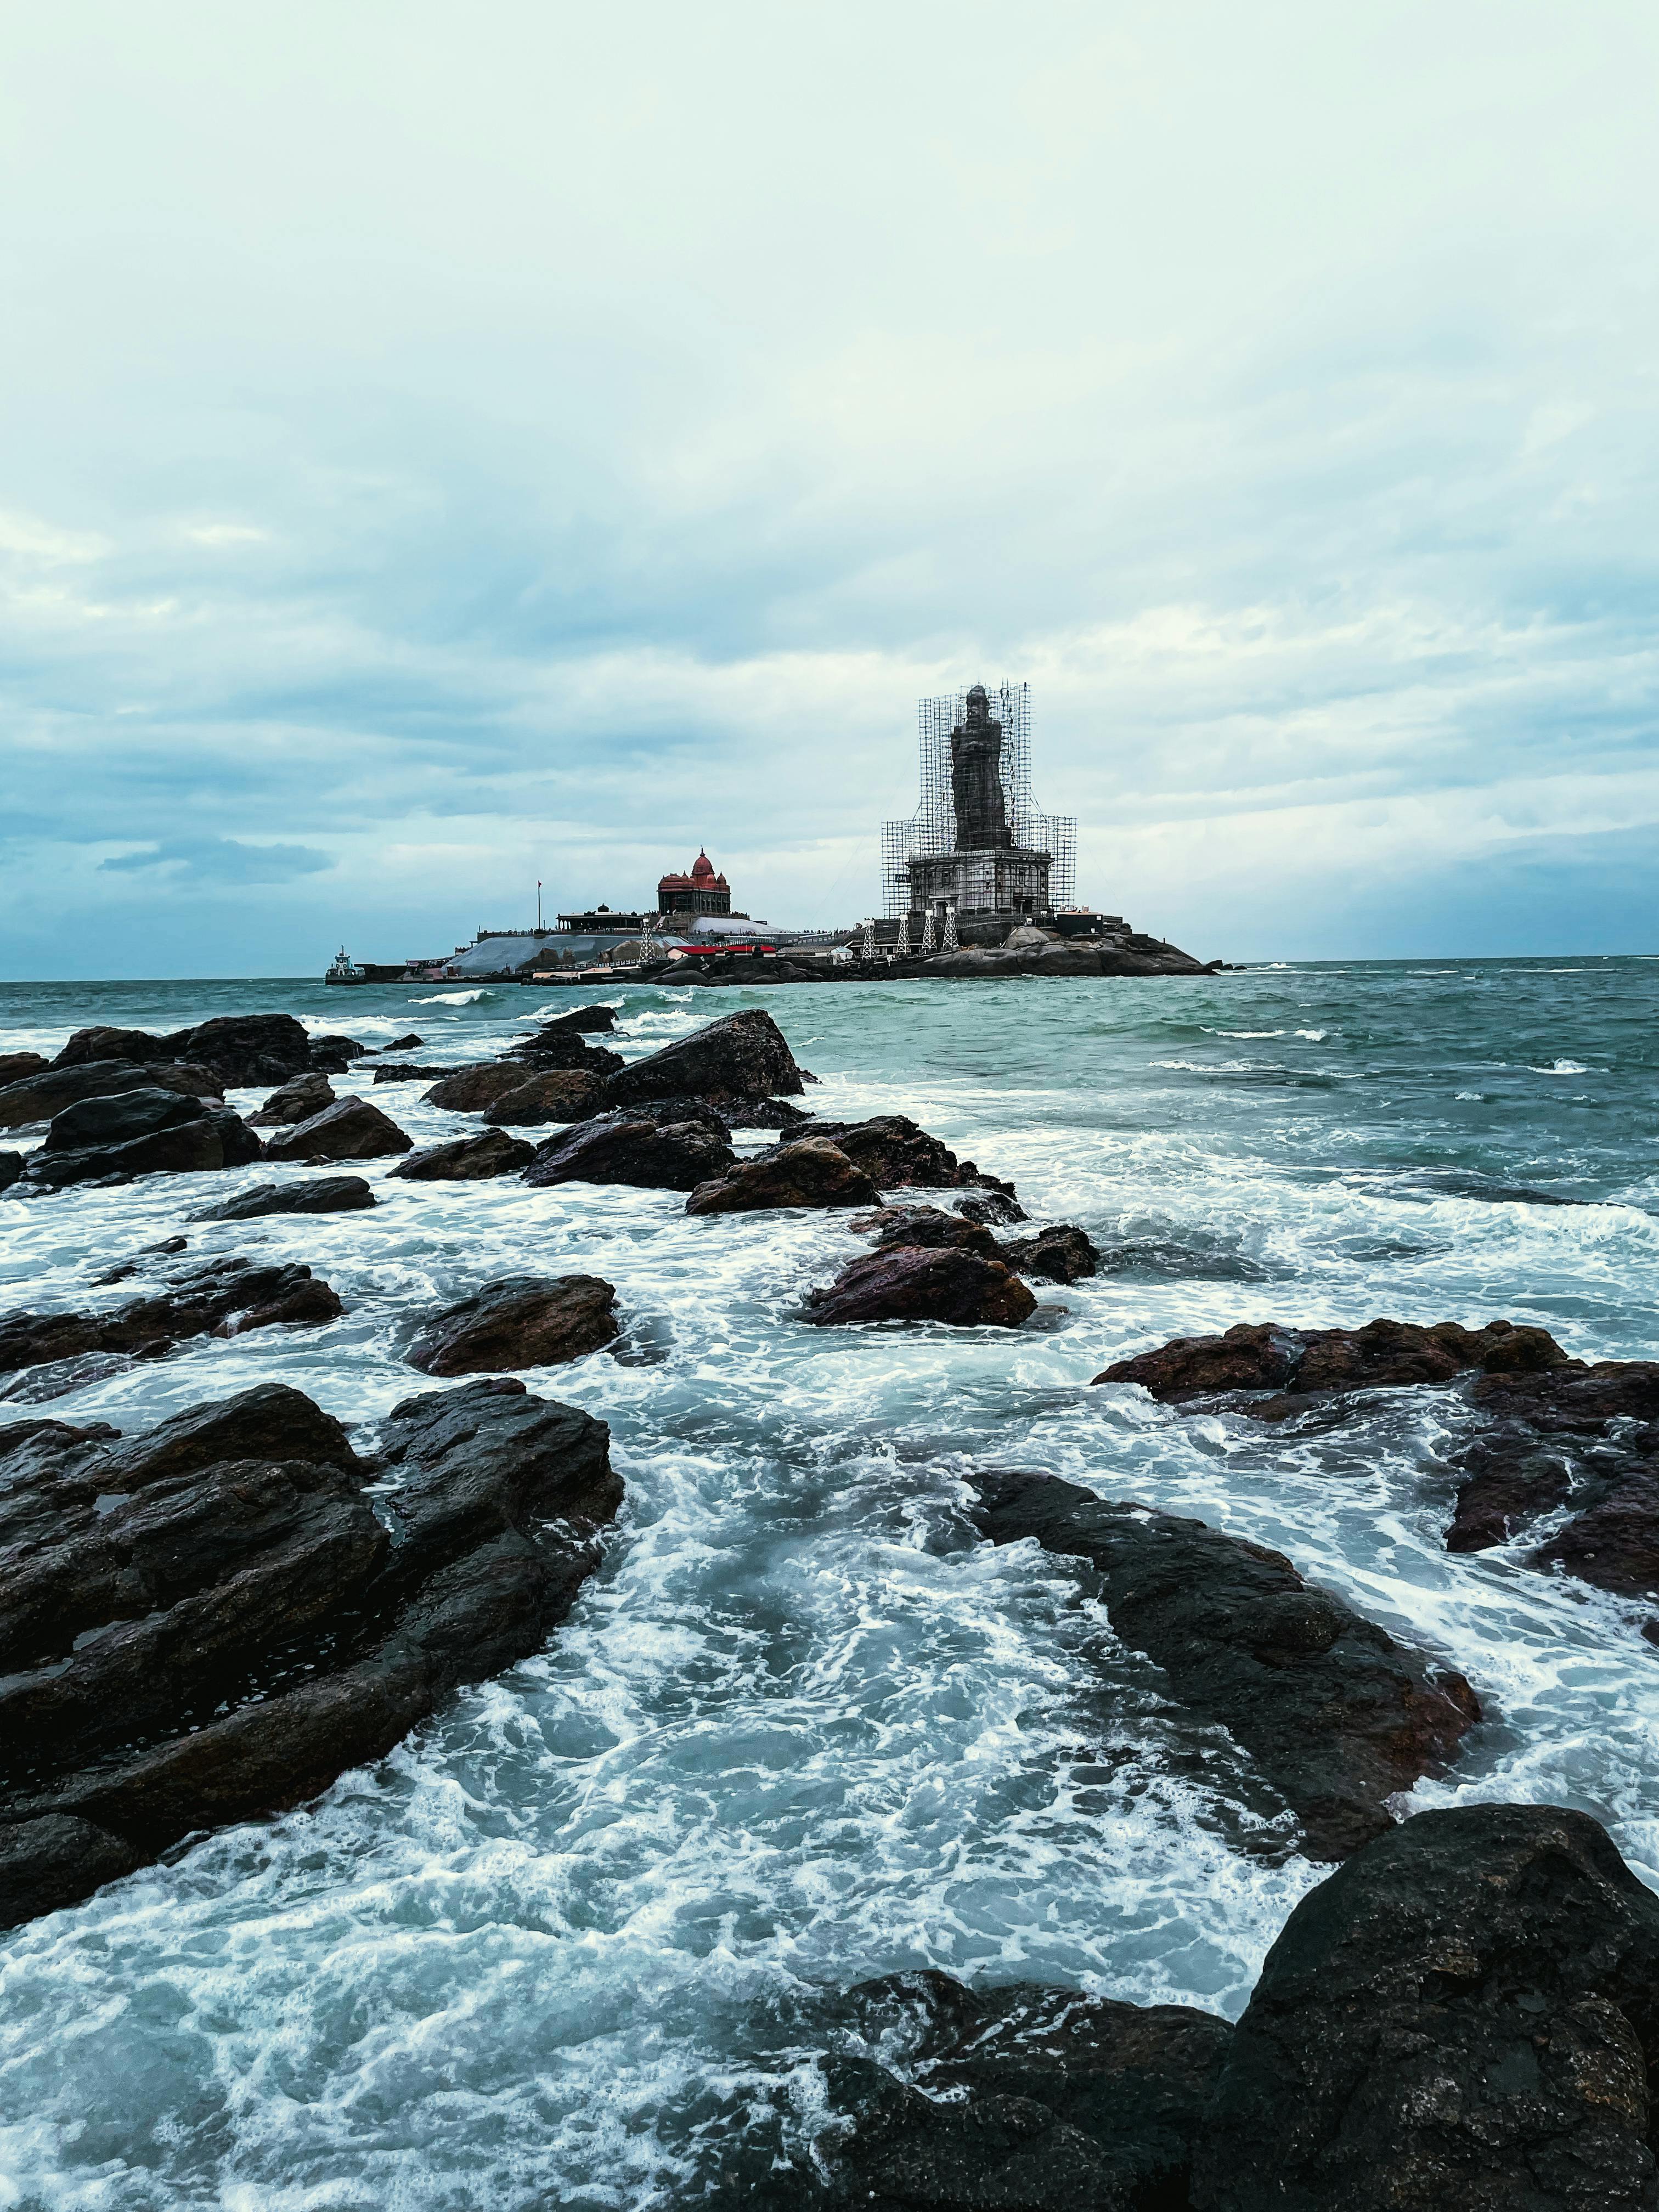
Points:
(993, 1209)
(551, 1051)
(741, 1057)
(15, 1065)
(104, 1042)
(467, 1159)
(909, 1283)
(246, 1626)
(928, 1228)
(333, 1055)
(226, 1298)
(1298, 1362)
(1463, 2015)
(405, 1072)
(322, 1195)
(244, 1050)
(807, 1173)
(523, 1320)
(470, 1090)
(39, 1097)
(11, 1168)
(1614, 1544)
(352, 1129)
(1063, 1254)
(897, 1154)
(1337, 1716)
(769, 1114)
(570, 1094)
(209, 1139)
(129, 1116)
(296, 1101)
(581, 1021)
(623, 1149)
(409, 1043)
(1052, 2099)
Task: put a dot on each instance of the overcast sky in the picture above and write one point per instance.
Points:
(447, 446)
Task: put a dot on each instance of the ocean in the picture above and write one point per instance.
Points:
(575, 1941)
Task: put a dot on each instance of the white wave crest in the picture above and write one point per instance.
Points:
(1314, 1037)
(1561, 1067)
(455, 998)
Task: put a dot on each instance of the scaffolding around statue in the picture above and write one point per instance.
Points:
(990, 862)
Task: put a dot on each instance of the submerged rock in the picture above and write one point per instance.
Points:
(352, 1129)
(296, 1101)
(809, 1172)
(523, 1320)
(1463, 2015)
(1336, 1715)
(1298, 1362)
(244, 1628)
(621, 1148)
(1023, 2096)
(906, 1282)
(323, 1194)
(993, 1209)
(562, 1094)
(225, 1297)
(467, 1159)
(741, 1057)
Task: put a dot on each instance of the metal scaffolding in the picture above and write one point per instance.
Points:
(931, 831)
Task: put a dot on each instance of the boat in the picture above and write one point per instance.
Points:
(343, 968)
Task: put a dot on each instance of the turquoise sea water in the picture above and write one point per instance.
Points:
(572, 1942)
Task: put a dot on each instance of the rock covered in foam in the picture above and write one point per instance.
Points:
(906, 1282)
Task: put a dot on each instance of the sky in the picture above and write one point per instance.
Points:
(447, 446)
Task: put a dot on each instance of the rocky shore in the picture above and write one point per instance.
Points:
(211, 1621)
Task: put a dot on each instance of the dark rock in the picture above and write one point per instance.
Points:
(1463, 2015)
(1297, 1362)
(11, 1168)
(296, 1101)
(897, 1154)
(471, 1089)
(105, 1043)
(807, 1173)
(623, 1149)
(352, 1129)
(1336, 1715)
(523, 1320)
(925, 1227)
(246, 1628)
(39, 1097)
(769, 1114)
(559, 1095)
(227, 1298)
(467, 1159)
(743, 1056)
(548, 1054)
(409, 1043)
(95, 1124)
(15, 1065)
(323, 1194)
(992, 1209)
(333, 1055)
(1614, 1544)
(405, 1072)
(1055, 2100)
(215, 1138)
(246, 1049)
(583, 1021)
(908, 1283)
(1063, 1254)
(1505, 1488)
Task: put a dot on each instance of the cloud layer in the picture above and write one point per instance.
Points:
(451, 451)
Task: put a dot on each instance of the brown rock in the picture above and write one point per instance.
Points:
(352, 1129)
(523, 1320)
(296, 1101)
(929, 1228)
(15, 1066)
(621, 1149)
(226, 1298)
(808, 1172)
(558, 1095)
(907, 1283)
(1299, 1361)
(472, 1089)
(742, 1056)
(1063, 1254)
(467, 1159)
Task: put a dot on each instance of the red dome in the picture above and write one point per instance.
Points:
(703, 870)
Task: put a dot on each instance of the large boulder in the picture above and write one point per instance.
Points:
(15, 1065)
(1061, 1254)
(581, 1021)
(807, 1173)
(523, 1320)
(107, 1043)
(214, 1622)
(122, 1119)
(470, 1090)
(906, 1282)
(245, 1049)
(622, 1148)
(742, 1056)
(352, 1129)
(319, 1194)
(897, 1154)
(39, 1097)
(332, 1056)
(564, 1049)
(1300, 1362)
(570, 1094)
(196, 1143)
(467, 1159)
(1338, 1718)
(1020, 2097)
(295, 1101)
(223, 1297)
(1465, 2016)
